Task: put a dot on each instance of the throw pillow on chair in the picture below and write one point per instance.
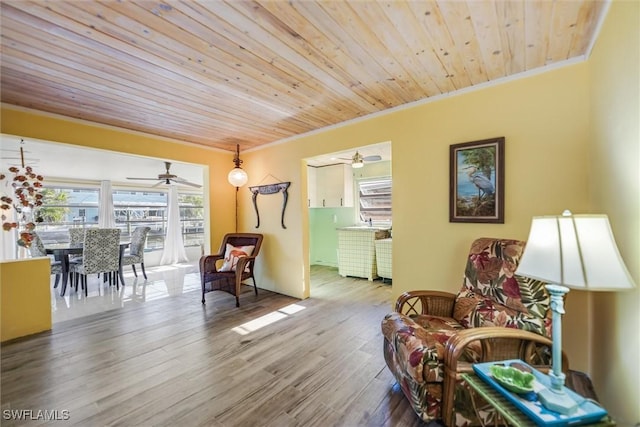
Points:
(233, 254)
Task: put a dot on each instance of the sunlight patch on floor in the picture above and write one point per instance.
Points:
(267, 319)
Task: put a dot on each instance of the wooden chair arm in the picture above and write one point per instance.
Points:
(496, 343)
(208, 262)
(435, 303)
(243, 261)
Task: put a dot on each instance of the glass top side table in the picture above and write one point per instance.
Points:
(509, 414)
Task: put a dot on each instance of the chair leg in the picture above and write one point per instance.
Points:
(55, 285)
(133, 267)
(238, 286)
(144, 273)
(86, 285)
(255, 287)
(203, 285)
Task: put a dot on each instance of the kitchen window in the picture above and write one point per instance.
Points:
(375, 201)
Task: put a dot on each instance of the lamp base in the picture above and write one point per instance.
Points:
(557, 401)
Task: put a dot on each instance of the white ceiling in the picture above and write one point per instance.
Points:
(63, 162)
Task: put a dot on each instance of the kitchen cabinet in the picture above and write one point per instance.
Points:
(312, 187)
(330, 186)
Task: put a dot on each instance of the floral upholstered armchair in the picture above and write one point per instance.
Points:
(433, 337)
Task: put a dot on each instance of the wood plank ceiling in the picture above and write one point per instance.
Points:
(221, 73)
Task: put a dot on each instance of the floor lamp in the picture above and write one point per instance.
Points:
(570, 251)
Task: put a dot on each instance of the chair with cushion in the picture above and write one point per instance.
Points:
(433, 336)
(234, 263)
(37, 249)
(135, 253)
(76, 237)
(100, 254)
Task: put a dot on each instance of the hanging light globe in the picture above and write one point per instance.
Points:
(237, 177)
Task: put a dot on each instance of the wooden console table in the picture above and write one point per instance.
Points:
(508, 414)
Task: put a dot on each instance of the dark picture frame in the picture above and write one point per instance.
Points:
(476, 181)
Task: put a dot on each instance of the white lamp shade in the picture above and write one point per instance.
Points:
(577, 251)
(357, 165)
(237, 177)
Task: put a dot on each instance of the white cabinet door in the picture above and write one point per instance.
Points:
(334, 186)
(312, 189)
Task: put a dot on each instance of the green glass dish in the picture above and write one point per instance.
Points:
(513, 379)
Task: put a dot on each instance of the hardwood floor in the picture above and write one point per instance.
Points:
(275, 361)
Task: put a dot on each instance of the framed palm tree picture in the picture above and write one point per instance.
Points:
(476, 181)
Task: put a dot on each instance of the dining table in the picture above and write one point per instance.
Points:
(61, 252)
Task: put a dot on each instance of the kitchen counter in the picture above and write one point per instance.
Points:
(383, 257)
(356, 251)
(362, 228)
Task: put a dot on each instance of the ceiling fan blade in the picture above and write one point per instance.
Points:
(372, 158)
(185, 182)
(167, 178)
(143, 179)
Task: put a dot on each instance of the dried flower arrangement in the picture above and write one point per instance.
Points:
(26, 197)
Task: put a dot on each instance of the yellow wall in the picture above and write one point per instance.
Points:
(30, 124)
(614, 189)
(544, 121)
(25, 297)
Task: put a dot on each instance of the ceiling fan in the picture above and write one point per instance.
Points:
(168, 178)
(357, 161)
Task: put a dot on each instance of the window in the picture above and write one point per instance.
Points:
(142, 209)
(64, 208)
(375, 200)
(192, 217)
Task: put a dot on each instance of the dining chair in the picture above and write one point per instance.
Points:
(100, 254)
(135, 253)
(37, 249)
(76, 237)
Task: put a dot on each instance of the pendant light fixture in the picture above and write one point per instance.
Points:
(237, 177)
